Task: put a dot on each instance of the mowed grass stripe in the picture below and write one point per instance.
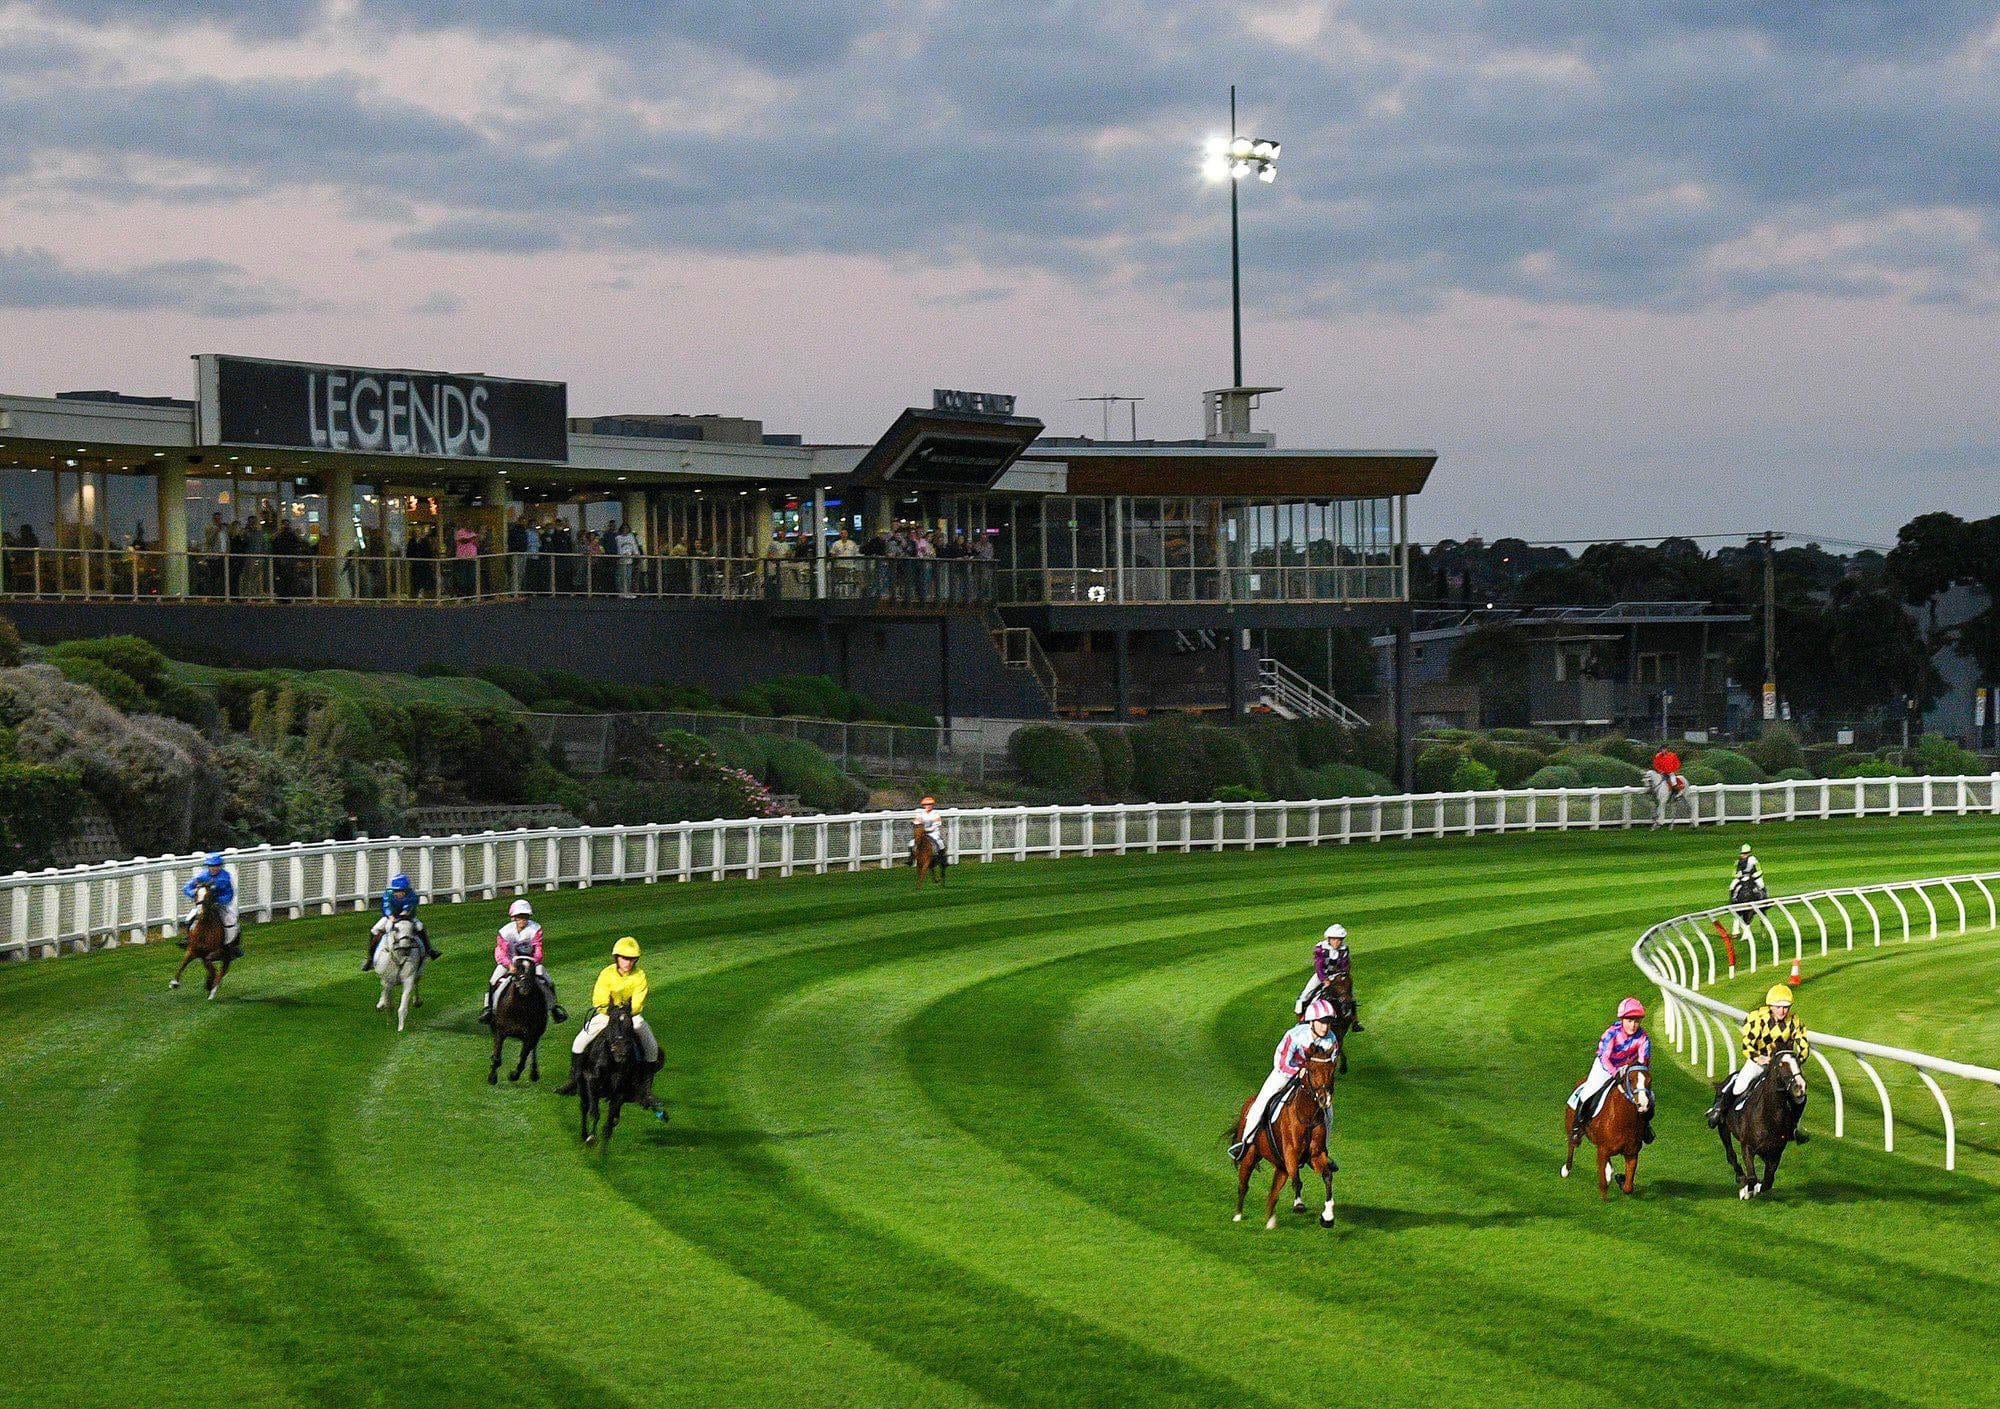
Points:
(773, 1237)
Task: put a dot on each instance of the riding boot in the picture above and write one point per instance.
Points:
(486, 1009)
(1799, 1137)
(1714, 1115)
(559, 1014)
(368, 959)
(568, 1088)
(1356, 1026)
(646, 1097)
(1646, 1133)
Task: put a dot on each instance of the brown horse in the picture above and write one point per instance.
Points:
(1765, 1122)
(927, 854)
(1619, 1128)
(1295, 1140)
(206, 940)
(1339, 991)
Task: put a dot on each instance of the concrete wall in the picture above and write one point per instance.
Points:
(721, 646)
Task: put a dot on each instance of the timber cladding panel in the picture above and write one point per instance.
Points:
(1263, 475)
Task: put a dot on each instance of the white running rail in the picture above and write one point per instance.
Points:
(46, 913)
(1679, 956)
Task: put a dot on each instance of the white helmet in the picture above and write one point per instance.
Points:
(1319, 1010)
(519, 908)
(1336, 933)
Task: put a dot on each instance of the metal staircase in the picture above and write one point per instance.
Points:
(1289, 695)
(1020, 651)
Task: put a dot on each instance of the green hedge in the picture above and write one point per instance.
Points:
(1935, 754)
(1053, 757)
(119, 689)
(1274, 744)
(1346, 780)
(1114, 756)
(39, 808)
(1556, 775)
(1778, 751)
(1730, 766)
(1167, 767)
(1472, 776)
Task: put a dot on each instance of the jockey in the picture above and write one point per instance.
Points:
(1286, 1063)
(1747, 869)
(520, 937)
(399, 902)
(933, 827)
(621, 981)
(1765, 1031)
(1330, 957)
(215, 875)
(1624, 1044)
(1667, 764)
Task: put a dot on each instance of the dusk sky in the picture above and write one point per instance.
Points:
(1630, 269)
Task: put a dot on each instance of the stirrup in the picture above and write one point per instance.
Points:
(559, 1014)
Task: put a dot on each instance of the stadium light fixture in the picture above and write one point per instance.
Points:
(1235, 158)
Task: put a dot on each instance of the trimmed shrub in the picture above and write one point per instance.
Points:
(1228, 755)
(118, 688)
(1540, 740)
(1793, 775)
(800, 768)
(1166, 766)
(1435, 765)
(1275, 746)
(1114, 756)
(1230, 792)
(1321, 741)
(1599, 771)
(736, 747)
(1625, 750)
(39, 807)
(1556, 775)
(1345, 780)
(1778, 750)
(1472, 776)
(1935, 754)
(1862, 765)
(10, 644)
(1512, 764)
(1731, 767)
(1374, 748)
(1700, 775)
(138, 660)
(1050, 756)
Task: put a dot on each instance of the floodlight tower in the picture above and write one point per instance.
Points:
(1234, 159)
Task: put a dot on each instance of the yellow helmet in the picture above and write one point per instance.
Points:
(1779, 996)
(626, 948)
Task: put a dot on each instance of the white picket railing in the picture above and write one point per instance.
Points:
(1679, 957)
(44, 913)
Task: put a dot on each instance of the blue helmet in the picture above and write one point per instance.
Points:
(214, 860)
(399, 883)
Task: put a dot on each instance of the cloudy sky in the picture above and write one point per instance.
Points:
(1631, 269)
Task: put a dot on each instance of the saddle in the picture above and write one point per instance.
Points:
(1587, 1111)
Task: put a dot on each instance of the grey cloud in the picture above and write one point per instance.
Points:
(442, 304)
(37, 278)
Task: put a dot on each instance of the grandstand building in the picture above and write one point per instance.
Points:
(367, 516)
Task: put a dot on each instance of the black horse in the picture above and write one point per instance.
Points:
(612, 1073)
(521, 1012)
(1765, 1121)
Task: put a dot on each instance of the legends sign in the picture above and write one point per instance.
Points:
(378, 411)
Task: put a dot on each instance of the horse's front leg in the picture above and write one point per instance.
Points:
(186, 959)
(586, 1100)
(1572, 1136)
(1244, 1168)
(382, 1003)
(1729, 1149)
(214, 977)
(617, 1104)
(493, 1071)
(1280, 1176)
(534, 1059)
(526, 1052)
(1770, 1170)
(1603, 1172)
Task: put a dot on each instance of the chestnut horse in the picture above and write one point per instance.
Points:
(205, 940)
(927, 854)
(1619, 1128)
(1296, 1139)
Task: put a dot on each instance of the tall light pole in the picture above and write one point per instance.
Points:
(1233, 159)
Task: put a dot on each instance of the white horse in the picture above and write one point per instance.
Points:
(1667, 791)
(400, 958)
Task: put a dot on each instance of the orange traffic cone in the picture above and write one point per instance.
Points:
(1795, 980)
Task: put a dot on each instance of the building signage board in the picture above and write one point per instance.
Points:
(972, 403)
(380, 411)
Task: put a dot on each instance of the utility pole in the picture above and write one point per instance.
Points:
(1770, 540)
(1235, 263)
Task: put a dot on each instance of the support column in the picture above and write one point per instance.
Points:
(1234, 646)
(944, 672)
(1406, 753)
(632, 508)
(340, 525)
(819, 541)
(1122, 674)
(760, 529)
(171, 488)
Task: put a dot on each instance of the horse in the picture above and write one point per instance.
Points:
(207, 939)
(1765, 1122)
(612, 1073)
(1297, 1138)
(1339, 991)
(1666, 796)
(400, 958)
(1748, 895)
(521, 1012)
(929, 856)
(1619, 1127)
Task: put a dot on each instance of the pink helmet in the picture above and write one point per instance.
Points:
(1319, 1010)
(1631, 1008)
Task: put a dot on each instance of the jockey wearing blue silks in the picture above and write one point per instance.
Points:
(399, 902)
(222, 888)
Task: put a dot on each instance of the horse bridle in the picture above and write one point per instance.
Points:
(1625, 1081)
(403, 940)
(1323, 1097)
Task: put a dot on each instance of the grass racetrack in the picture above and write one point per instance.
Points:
(965, 1147)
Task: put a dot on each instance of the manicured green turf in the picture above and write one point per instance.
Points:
(966, 1147)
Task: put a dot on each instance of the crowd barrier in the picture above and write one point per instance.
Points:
(46, 913)
(1679, 957)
